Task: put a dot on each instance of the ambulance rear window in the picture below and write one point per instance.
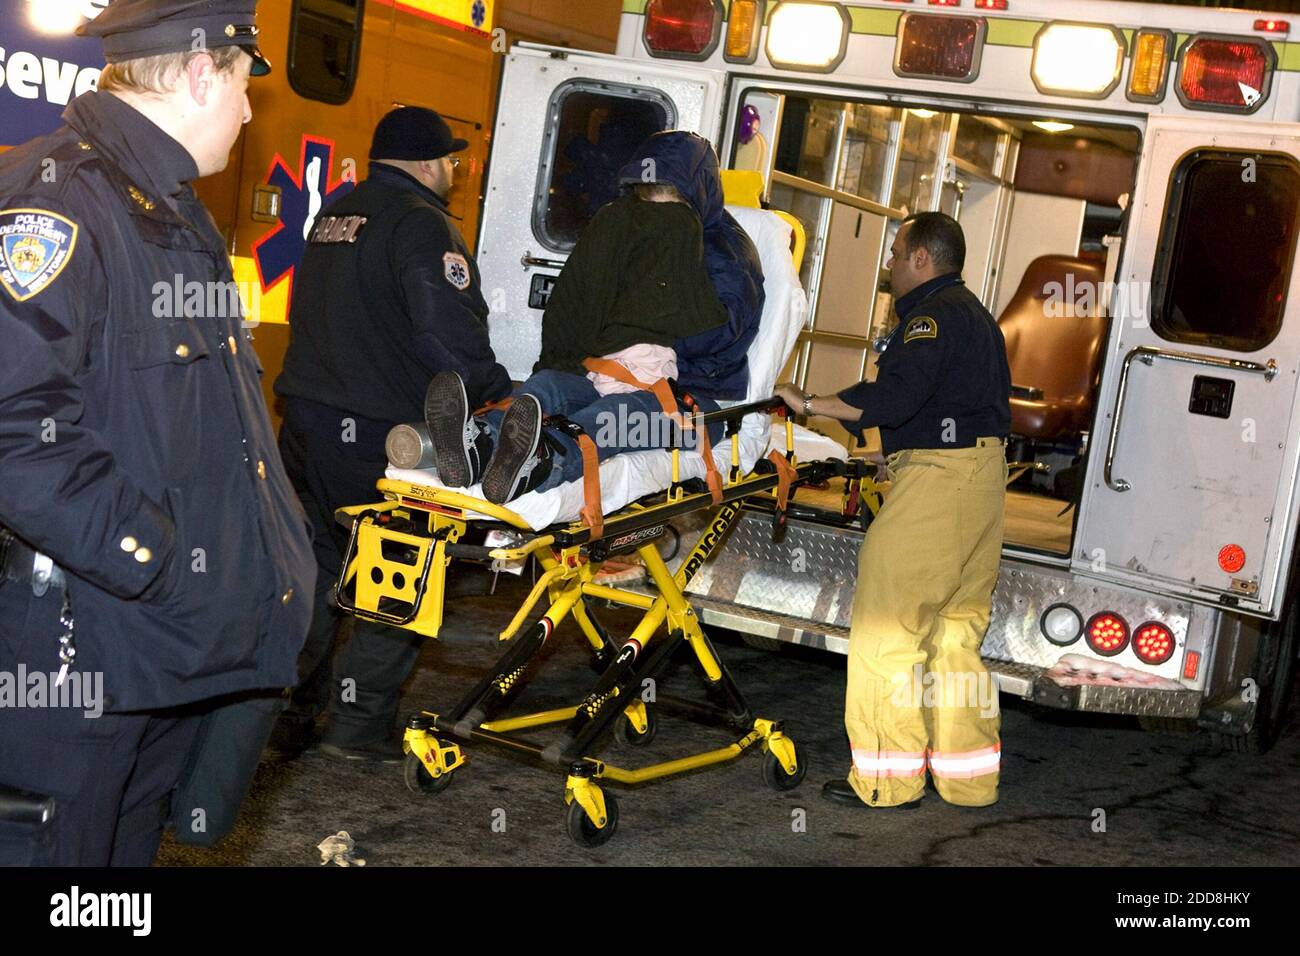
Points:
(593, 129)
(1224, 262)
(324, 47)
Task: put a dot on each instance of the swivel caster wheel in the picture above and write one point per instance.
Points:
(777, 776)
(419, 780)
(628, 733)
(585, 833)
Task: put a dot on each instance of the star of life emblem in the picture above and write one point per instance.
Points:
(456, 270)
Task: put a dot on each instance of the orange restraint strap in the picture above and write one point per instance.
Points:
(668, 402)
(785, 475)
(592, 513)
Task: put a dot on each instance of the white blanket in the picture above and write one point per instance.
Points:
(627, 477)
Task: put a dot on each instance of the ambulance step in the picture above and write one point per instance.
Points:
(778, 627)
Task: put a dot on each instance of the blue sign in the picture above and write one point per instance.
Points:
(44, 65)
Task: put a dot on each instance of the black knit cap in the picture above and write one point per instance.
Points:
(414, 133)
(132, 29)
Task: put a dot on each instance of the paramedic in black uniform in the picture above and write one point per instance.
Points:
(387, 296)
(145, 521)
(929, 560)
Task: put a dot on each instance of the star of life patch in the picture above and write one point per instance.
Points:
(456, 270)
(35, 246)
(921, 327)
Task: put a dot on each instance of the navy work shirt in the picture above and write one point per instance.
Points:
(943, 377)
(387, 296)
(135, 447)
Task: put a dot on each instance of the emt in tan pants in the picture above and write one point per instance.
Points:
(918, 694)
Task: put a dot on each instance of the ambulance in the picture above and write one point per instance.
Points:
(1128, 179)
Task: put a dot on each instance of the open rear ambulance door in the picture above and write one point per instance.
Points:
(1192, 470)
(565, 124)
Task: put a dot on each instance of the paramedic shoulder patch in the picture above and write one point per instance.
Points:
(921, 327)
(456, 269)
(35, 246)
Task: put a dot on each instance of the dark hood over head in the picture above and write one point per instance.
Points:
(685, 161)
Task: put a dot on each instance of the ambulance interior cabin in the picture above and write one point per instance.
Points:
(1041, 203)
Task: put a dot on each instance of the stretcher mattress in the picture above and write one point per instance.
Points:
(625, 478)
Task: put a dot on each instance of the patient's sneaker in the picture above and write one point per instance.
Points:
(522, 460)
(461, 446)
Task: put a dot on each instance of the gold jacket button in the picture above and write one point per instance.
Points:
(182, 351)
(130, 545)
(261, 470)
(144, 555)
(288, 596)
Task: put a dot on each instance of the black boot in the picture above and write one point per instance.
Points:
(461, 446)
(522, 460)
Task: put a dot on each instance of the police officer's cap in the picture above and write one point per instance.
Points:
(132, 29)
(414, 133)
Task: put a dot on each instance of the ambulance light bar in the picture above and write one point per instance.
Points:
(1273, 26)
(1225, 73)
(807, 36)
(1077, 59)
(1149, 74)
(939, 47)
(682, 29)
(744, 20)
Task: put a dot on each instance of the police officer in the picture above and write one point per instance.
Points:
(387, 295)
(918, 694)
(154, 555)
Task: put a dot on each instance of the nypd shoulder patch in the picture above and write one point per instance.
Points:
(921, 327)
(456, 270)
(36, 245)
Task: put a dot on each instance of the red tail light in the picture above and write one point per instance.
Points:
(686, 29)
(1107, 633)
(990, 4)
(943, 47)
(1273, 26)
(1191, 664)
(1225, 73)
(1153, 643)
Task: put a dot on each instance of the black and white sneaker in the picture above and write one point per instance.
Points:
(461, 445)
(522, 460)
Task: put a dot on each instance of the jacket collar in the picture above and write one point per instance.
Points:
(922, 292)
(400, 179)
(147, 156)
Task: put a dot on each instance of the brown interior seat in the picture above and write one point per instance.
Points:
(1056, 353)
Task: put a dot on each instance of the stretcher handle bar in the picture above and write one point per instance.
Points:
(1147, 354)
(451, 499)
(737, 412)
(475, 552)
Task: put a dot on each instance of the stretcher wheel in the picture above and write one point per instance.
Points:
(627, 732)
(585, 833)
(775, 776)
(419, 780)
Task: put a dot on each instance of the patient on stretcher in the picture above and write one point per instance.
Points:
(661, 298)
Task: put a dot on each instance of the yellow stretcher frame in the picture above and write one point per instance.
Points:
(394, 570)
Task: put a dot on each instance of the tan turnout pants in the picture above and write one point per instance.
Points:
(918, 694)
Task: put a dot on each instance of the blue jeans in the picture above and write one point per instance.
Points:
(633, 421)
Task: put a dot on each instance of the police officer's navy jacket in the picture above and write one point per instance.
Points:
(943, 378)
(386, 296)
(135, 448)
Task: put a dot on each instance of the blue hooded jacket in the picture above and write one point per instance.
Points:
(711, 364)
